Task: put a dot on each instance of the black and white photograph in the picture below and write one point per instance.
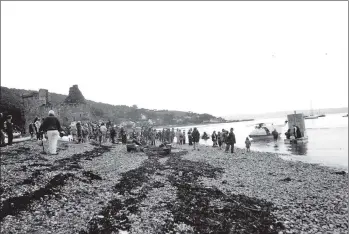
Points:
(174, 117)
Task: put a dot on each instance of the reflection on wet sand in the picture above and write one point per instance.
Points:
(298, 149)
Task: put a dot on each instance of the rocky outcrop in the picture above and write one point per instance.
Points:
(75, 96)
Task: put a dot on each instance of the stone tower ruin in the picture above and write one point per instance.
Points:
(73, 108)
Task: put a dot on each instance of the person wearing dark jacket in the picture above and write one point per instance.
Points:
(288, 134)
(230, 141)
(275, 135)
(52, 127)
(219, 139)
(196, 138)
(214, 139)
(123, 136)
(2, 134)
(297, 132)
(79, 131)
(9, 130)
(190, 137)
(112, 134)
(31, 130)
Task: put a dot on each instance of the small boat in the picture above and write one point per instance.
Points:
(311, 116)
(320, 115)
(345, 115)
(263, 131)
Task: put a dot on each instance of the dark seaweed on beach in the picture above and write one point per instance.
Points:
(14, 205)
(235, 214)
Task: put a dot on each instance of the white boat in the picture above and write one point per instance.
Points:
(311, 116)
(263, 131)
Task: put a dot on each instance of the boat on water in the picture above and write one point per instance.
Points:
(345, 115)
(263, 131)
(311, 116)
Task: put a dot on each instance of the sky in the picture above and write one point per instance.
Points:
(221, 58)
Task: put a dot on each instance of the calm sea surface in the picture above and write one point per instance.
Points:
(328, 139)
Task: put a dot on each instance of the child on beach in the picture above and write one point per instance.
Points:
(248, 144)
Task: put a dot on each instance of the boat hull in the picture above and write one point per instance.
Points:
(262, 137)
(302, 140)
(311, 117)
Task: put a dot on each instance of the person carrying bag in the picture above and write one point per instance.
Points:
(52, 127)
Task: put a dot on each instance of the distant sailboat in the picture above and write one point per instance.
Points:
(311, 116)
(321, 115)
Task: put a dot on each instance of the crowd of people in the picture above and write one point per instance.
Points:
(224, 139)
(51, 129)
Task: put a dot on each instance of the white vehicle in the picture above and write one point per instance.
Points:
(264, 131)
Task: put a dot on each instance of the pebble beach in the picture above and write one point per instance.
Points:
(91, 189)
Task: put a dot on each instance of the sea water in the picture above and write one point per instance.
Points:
(327, 139)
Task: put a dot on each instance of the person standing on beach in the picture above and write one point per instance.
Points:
(73, 131)
(190, 137)
(275, 135)
(79, 131)
(183, 137)
(224, 137)
(248, 144)
(52, 127)
(2, 134)
(9, 129)
(104, 130)
(168, 136)
(123, 135)
(230, 141)
(31, 130)
(37, 128)
(153, 137)
(173, 134)
(196, 138)
(112, 134)
(177, 137)
(219, 138)
(85, 133)
(162, 135)
(214, 139)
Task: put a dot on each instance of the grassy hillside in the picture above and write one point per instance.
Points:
(11, 98)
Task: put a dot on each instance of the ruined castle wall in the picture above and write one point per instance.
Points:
(74, 112)
(38, 105)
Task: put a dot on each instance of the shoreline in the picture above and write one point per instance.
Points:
(106, 188)
(199, 124)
